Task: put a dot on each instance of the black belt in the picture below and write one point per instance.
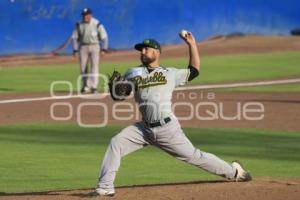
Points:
(158, 123)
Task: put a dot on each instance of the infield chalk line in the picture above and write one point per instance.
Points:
(232, 85)
(191, 87)
(94, 96)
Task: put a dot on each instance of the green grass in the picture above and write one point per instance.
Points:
(215, 69)
(38, 157)
(292, 87)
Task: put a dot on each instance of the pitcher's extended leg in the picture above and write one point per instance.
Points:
(181, 147)
(128, 140)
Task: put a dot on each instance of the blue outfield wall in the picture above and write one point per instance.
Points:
(41, 25)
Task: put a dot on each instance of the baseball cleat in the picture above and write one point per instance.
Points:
(85, 90)
(102, 192)
(241, 174)
(94, 91)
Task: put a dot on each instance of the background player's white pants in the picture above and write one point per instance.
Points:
(89, 53)
(170, 138)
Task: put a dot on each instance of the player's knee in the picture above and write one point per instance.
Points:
(116, 140)
(191, 157)
(186, 158)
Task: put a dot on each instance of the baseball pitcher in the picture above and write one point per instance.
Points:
(86, 38)
(153, 88)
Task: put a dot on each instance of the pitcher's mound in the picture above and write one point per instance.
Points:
(260, 188)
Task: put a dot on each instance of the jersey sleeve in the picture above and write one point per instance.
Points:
(133, 72)
(102, 32)
(103, 36)
(74, 37)
(75, 34)
(181, 76)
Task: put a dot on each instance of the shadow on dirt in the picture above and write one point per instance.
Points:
(29, 194)
(91, 194)
(88, 193)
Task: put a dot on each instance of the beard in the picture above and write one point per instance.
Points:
(147, 60)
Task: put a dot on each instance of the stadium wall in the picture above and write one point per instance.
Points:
(38, 26)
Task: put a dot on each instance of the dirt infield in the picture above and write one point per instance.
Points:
(218, 45)
(281, 110)
(276, 105)
(261, 188)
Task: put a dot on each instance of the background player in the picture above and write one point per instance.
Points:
(159, 126)
(86, 38)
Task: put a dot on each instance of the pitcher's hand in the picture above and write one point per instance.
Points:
(188, 38)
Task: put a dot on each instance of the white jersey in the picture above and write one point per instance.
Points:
(89, 33)
(155, 88)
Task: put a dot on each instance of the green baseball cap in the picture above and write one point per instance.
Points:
(148, 43)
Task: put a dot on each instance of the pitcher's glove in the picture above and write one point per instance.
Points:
(119, 87)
